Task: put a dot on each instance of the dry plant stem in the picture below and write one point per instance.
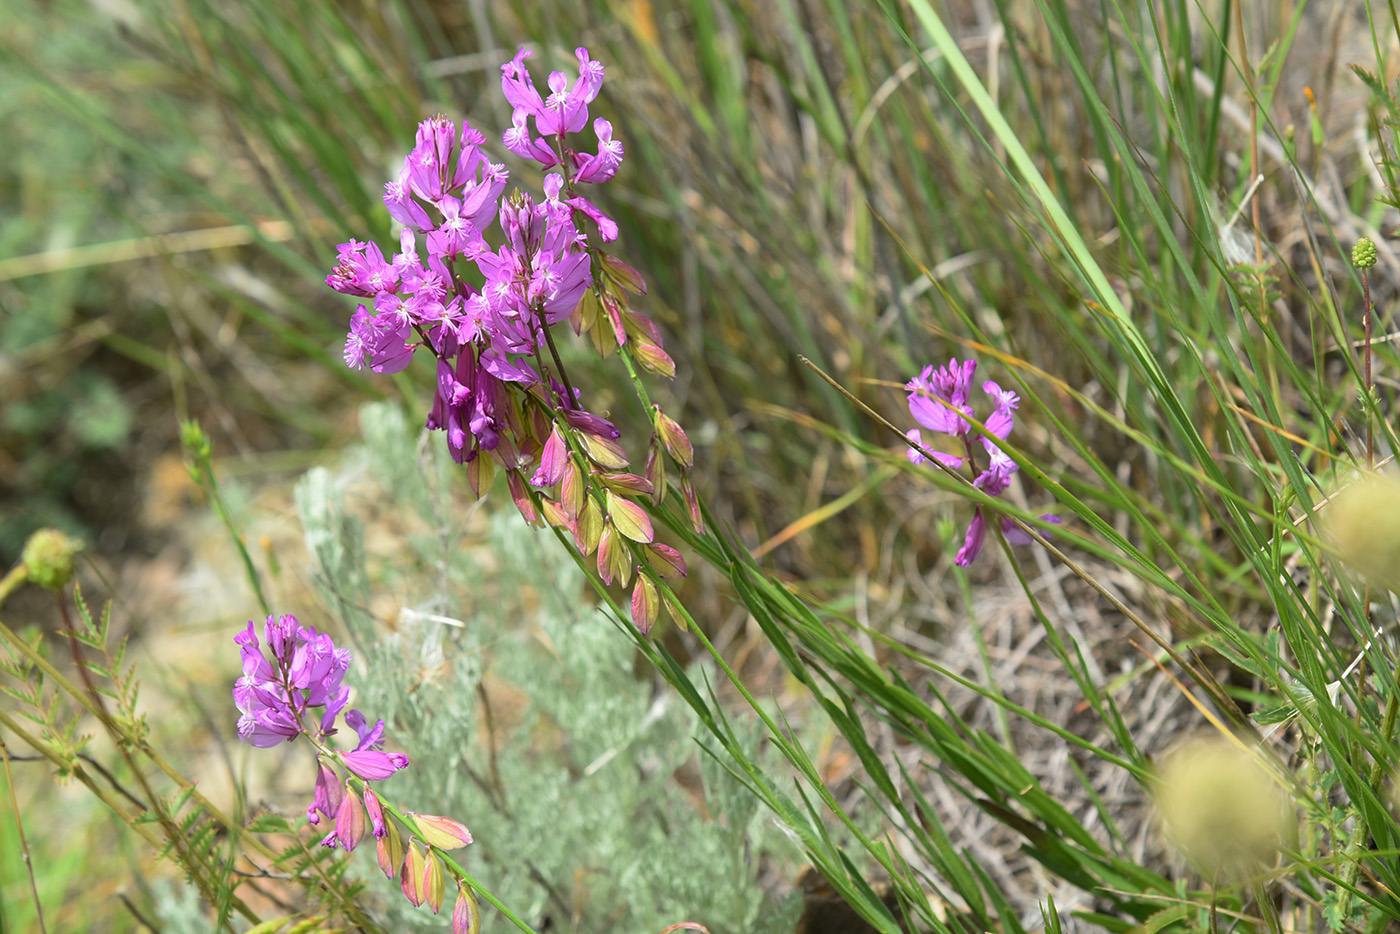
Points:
(11, 581)
(23, 843)
(1204, 678)
(168, 823)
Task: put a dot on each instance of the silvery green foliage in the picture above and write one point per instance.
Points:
(580, 821)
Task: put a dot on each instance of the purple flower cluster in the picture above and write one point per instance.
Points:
(939, 400)
(485, 312)
(486, 330)
(280, 694)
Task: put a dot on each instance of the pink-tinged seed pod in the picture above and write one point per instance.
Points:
(625, 483)
(433, 882)
(521, 495)
(350, 822)
(674, 438)
(653, 358)
(630, 519)
(612, 311)
(552, 460)
(375, 812)
(623, 274)
(665, 560)
(589, 531)
(691, 501)
(645, 603)
(441, 832)
(466, 914)
(571, 490)
(607, 545)
(480, 472)
(604, 452)
(411, 877)
(555, 515)
(656, 472)
(389, 851)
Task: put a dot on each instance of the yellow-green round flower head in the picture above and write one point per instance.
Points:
(1219, 803)
(1363, 255)
(1362, 522)
(49, 558)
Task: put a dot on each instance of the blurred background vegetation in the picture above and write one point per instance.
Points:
(797, 182)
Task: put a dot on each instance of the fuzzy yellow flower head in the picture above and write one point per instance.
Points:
(1363, 523)
(1219, 803)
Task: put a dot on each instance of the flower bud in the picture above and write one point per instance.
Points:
(194, 440)
(1363, 255)
(48, 558)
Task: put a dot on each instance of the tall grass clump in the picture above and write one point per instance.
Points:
(1128, 666)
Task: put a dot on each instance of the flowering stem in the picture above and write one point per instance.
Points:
(554, 352)
(626, 354)
(1366, 353)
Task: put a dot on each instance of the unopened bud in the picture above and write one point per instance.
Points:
(1363, 255)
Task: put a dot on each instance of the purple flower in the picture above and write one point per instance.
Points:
(939, 400)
